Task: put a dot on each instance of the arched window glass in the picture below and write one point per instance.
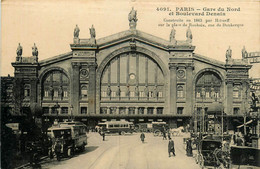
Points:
(208, 86)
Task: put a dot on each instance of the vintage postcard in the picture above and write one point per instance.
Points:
(131, 84)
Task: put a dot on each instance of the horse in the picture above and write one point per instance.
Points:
(177, 131)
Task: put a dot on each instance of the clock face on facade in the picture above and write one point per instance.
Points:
(84, 73)
(132, 76)
(181, 74)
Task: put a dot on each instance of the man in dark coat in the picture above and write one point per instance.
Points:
(142, 136)
(171, 148)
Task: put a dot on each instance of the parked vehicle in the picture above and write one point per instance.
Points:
(244, 157)
(120, 127)
(67, 137)
(207, 157)
(78, 133)
(159, 128)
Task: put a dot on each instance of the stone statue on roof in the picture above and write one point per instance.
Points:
(189, 35)
(76, 32)
(34, 50)
(92, 32)
(19, 50)
(244, 53)
(228, 53)
(132, 17)
(172, 36)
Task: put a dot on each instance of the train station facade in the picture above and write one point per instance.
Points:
(135, 76)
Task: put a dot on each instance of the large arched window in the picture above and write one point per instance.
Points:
(55, 85)
(132, 75)
(208, 85)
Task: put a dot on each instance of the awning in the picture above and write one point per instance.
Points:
(250, 121)
(215, 107)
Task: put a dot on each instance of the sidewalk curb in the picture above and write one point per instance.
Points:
(28, 164)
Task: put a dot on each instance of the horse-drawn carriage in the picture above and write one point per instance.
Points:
(207, 153)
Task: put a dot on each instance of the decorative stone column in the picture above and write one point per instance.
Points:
(127, 110)
(59, 110)
(49, 109)
(154, 110)
(92, 89)
(117, 110)
(173, 88)
(136, 110)
(108, 110)
(145, 110)
(74, 92)
(229, 96)
(189, 89)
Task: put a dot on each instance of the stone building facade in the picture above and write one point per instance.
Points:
(135, 76)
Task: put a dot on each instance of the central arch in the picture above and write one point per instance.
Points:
(116, 53)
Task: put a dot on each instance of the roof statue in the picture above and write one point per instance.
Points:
(34, 50)
(172, 36)
(76, 32)
(228, 54)
(244, 53)
(189, 35)
(92, 32)
(19, 50)
(132, 17)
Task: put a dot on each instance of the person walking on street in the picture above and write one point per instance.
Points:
(104, 135)
(164, 135)
(171, 148)
(142, 136)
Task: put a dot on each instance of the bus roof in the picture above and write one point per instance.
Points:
(117, 122)
(59, 128)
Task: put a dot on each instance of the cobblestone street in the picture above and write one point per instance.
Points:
(126, 152)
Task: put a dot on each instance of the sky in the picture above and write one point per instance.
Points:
(50, 25)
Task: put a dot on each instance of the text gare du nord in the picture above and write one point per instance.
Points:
(191, 11)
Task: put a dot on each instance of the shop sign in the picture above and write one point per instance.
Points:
(132, 119)
(179, 119)
(141, 119)
(150, 119)
(103, 119)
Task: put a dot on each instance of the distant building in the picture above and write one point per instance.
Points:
(135, 76)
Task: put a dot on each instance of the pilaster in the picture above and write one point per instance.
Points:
(92, 89)
(189, 89)
(173, 88)
(229, 100)
(75, 86)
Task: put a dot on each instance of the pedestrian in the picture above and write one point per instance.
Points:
(164, 135)
(104, 135)
(169, 135)
(189, 148)
(171, 148)
(142, 136)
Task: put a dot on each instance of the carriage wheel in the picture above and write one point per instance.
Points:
(122, 133)
(156, 133)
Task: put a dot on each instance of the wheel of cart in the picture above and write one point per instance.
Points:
(206, 157)
(157, 133)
